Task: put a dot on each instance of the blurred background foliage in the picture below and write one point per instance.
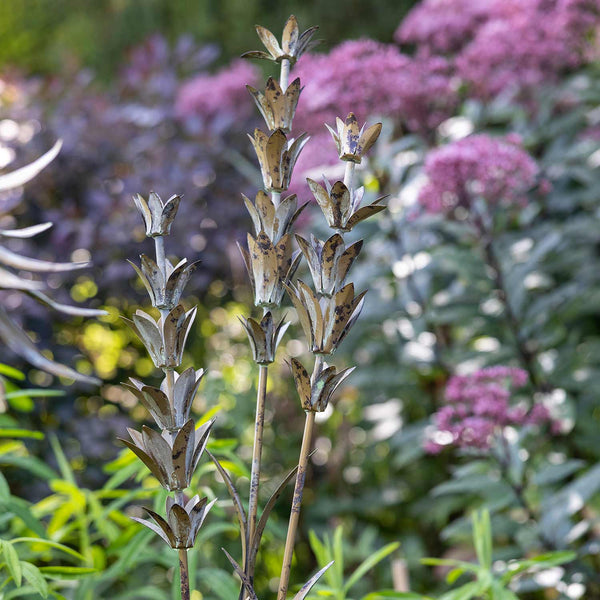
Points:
(149, 95)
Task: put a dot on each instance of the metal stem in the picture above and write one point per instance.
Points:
(349, 175)
(285, 74)
(259, 423)
(296, 502)
(276, 198)
(184, 572)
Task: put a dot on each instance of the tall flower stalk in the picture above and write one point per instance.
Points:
(173, 454)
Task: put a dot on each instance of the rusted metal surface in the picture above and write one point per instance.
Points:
(264, 337)
(293, 43)
(353, 142)
(277, 156)
(277, 106)
(158, 215)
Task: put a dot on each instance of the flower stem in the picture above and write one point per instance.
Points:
(184, 572)
(296, 504)
(349, 175)
(259, 423)
(285, 74)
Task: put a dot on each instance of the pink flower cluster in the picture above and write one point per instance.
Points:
(479, 166)
(477, 408)
(504, 45)
(374, 79)
(220, 99)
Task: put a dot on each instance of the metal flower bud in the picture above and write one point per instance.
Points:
(264, 337)
(158, 216)
(315, 395)
(293, 43)
(156, 401)
(341, 207)
(164, 339)
(270, 266)
(277, 157)
(275, 221)
(353, 143)
(329, 261)
(172, 460)
(326, 323)
(183, 523)
(164, 294)
(276, 106)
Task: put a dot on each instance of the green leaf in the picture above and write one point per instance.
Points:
(68, 572)
(21, 433)
(20, 508)
(482, 538)
(220, 582)
(393, 594)
(369, 563)
(34, 393)
(63, 464)
(33, 575)
(11, 372)
(12, 562)
(50, 544)
(542, 561)
(29, 463)
(4, 489)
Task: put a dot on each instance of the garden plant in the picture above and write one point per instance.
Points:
(468, 431)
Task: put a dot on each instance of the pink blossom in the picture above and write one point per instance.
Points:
(479, 166)
(478, 406)
(374, 79)
(221, 97)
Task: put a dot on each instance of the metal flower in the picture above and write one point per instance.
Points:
(172, 460)
(275, 221)
(264, 337)
(158, 216)
(340, 206)
(329, 261)
(277, 157)
(270, 266)
(164, 339)
(164, 294)
(183, 523)
(326, 323)
(156, 401)
(276, 106)
(315, 395)
(293, 43)
(353, 143)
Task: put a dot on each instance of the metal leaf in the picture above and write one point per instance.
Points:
(264, 517)
(245, 579)
(10, 281)
(16, 261)
(19, 343)
(21, 176)
(305, 589)
(25, 232)
(76, 311)
(237, 504)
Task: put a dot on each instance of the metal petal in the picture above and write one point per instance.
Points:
(10, 281)
(264, 266)
(158, 530)
(184, 393)
(177, 281)
(345, 262)
(19, 177)
(161, 452)
(144, 210)
(290, 158)
(277, 159)
(183, 455)
(305, 589)
(181, 526)
(269, 40)
(18, 342)
(341, 203)
(363, 213)
(148, 461)
(302, 381)
(302, 313)
(16, 261)
(325, 202)
(332, 251)
(201, 440)
(289, 39)
(168, 214)
(67, 309)
(257, 54)
(304, 41)
(369, 137)
(25, 232)
(266, 211)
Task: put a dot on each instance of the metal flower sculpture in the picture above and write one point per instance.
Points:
(264, 337)
(293, 43)
(353, 143)
(276, 106)
(10, 278)
(173, 454)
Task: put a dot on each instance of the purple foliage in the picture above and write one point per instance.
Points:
(479, 166)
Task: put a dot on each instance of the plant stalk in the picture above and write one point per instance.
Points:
(349, 175)
(285, 74)
(259, 423)
(184, 572)
(296, 504)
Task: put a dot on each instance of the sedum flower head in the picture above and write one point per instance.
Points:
(478, 406)
(497, 170)
(315, 395)
(182, 524)
(293, 43)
